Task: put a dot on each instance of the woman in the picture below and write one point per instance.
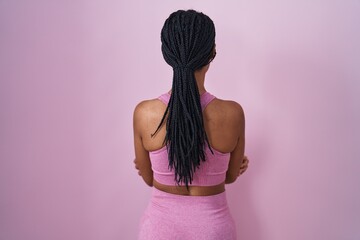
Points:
(188, 143)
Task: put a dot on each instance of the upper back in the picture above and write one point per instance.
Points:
(221, 122)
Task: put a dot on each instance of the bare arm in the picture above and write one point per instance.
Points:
(142, 159)
(238, 162)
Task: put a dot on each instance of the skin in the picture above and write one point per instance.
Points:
(224, 123)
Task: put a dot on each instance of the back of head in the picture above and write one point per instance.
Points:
(188, 41)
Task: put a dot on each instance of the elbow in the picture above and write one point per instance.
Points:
(147, 176)
(230, 178)
(150, 184)
(148, 181)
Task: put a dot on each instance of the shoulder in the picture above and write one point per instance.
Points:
(144, 105)
(148, 106)
(229, 108)
(148, 110)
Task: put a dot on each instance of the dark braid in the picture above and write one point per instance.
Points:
(188, 40)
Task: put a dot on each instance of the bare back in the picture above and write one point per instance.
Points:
(224, 124)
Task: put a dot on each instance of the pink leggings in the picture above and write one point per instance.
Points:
(178, 217)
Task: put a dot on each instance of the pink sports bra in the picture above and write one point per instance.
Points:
(211, 172)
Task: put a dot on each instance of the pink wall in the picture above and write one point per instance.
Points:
(71, 73)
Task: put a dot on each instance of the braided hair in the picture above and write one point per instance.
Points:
(188, 44)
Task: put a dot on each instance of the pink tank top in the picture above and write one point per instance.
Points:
(211, 172)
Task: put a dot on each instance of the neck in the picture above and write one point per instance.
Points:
(200, 80)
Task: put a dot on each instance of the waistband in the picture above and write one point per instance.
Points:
(171, 202)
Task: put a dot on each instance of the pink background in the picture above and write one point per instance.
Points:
(71, 73)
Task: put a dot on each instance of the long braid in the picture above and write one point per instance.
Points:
(188, 40)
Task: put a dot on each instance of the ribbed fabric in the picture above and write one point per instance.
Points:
(211, 172)
(178, 217)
